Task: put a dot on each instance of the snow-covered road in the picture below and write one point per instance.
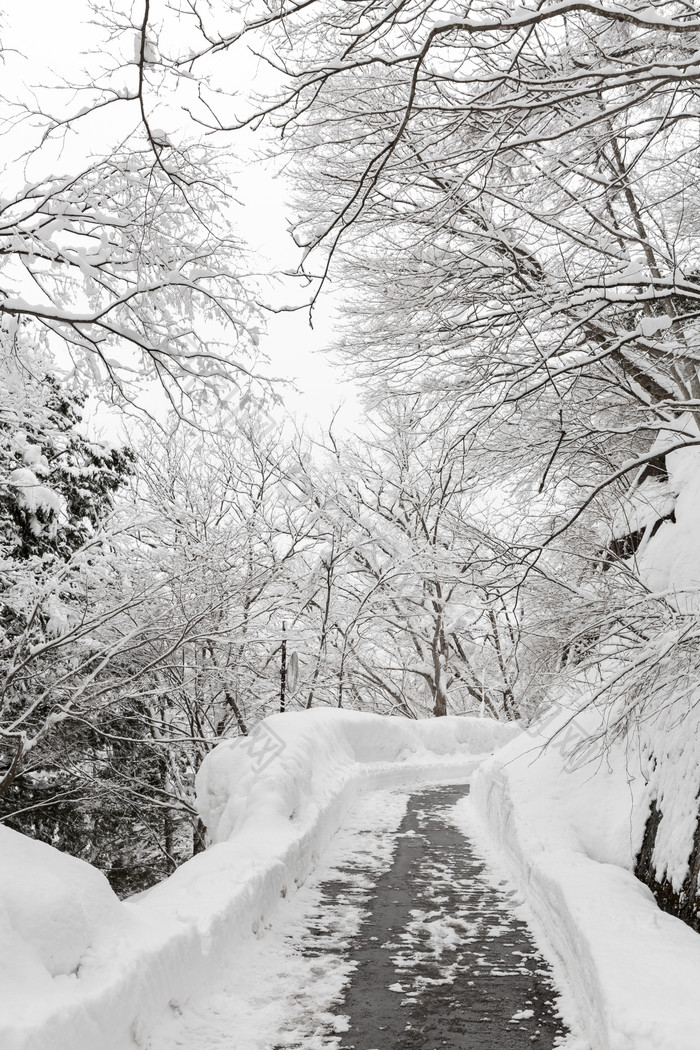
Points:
(399, 940)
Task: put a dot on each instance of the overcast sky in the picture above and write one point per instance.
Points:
(295, 348)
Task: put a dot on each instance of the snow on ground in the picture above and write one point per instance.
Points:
(480, 915)
(276, 988)
(105, 972)
(499, 873)
(52, 907)
(284, 987)
(292, 765)
(571, 832)
(81, 969)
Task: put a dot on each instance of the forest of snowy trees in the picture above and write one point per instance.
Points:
(502, 202)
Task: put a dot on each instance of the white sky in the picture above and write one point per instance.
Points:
(295, 348)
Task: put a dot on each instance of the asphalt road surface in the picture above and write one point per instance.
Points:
(398, 939)
(442, 960)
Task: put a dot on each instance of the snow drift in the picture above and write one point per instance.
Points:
(571, 829)
(81, 969)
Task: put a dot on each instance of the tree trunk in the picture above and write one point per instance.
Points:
(283, 674)
(231, 701)
(440, 706)
(509, 705)
(168, 823)
(199, 841)
(684, 904)
(10, 775)
(439, 693)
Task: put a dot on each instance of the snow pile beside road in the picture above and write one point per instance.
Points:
(668, 559)
(73, 955)
(80, 969)
(671, 751)
(293, 763)
(53, 910)
(572, 830)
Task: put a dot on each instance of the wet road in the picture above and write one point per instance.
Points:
(442, 961)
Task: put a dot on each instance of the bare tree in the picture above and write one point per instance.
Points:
(510, 196)
(117, 224)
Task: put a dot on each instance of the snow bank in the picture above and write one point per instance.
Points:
(292, 763)
(672, 750)
(572, 831)
(669, 560)
(67, 942)
(81, 969)
(52, 907)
